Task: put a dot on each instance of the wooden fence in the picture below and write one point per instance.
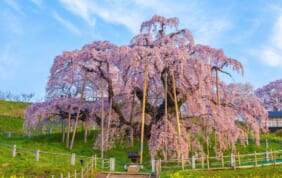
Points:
(82, 166)
(232, 161)
(85, 166)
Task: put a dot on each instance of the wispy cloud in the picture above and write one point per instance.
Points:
(11, 23)
(81, 8)
(272, 53)
(38, 3)
(116, 12)
(14, 5)
(132, 13)
(276, 38)
(6, 62)
(271, 56)
(71, 27)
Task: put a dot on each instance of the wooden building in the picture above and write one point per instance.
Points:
(274, 120)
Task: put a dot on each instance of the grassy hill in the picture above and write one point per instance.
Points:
(11, 114)
(11, 109)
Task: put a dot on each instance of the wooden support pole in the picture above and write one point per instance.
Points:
(222, 160)
(87, 169)
(81, 173)
(193, 162)
(271, 152)
(232, 161)
(92, 164)
(234, 157)
(256, 161)
(9, 134)
(158, 168)
(143, 115)
(160, 165)
(208, 162)
(203, 163)
(177, 113)
(274, 156)
(73, 159)
(14, 151)
(182, 163)
(37, 153)
(266, 156)
(29, 134)
(153, 164)
(239, 159)
(95, 162)
(112, 164)
(102, 164)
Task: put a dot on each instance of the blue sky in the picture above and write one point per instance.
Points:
(34, 32)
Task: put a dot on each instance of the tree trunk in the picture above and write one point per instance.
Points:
(102, 125)
(176, 109)
(131, 114)
(78, 110)
(63, 131)
(217, 88)
(68, 129)
(86, 130)
(166, 118)
(109, 123)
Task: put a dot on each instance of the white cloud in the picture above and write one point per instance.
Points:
(276, 38)
(132, 13)
(272, 55)
(81, 8)
(67, 24)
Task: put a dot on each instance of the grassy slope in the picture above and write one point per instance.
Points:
(258, 172)
(52, 143)
(12, 109)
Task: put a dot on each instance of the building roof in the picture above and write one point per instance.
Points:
(274, 113)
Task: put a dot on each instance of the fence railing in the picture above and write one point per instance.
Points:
(231, 161)
(29, 133)
(84, 166)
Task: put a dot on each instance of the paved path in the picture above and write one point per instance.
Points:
(124, 175)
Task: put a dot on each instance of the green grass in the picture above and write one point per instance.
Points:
(11, 125)
(258, 172)
(11, 109)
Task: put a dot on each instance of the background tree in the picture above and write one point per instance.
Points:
(271, 95)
